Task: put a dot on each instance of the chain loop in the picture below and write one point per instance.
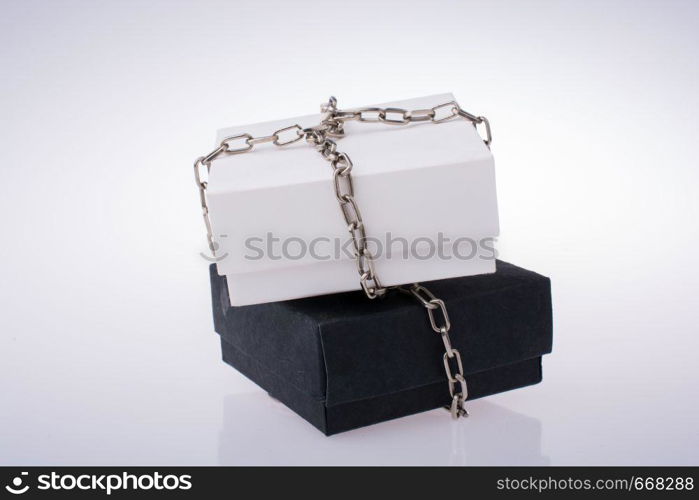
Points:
(350, 210)
(488, 133)
(358, 235)
(385, 116)
(299, 135)
(421, 115)
(371, 119)
(453, 111)
(332, 125)
(226, 144)
(430, 312)
(444, 331)
(342, 162)
(343, 184)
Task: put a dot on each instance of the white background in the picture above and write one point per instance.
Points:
(107, 349)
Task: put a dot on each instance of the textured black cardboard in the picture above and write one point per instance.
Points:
(342, 361)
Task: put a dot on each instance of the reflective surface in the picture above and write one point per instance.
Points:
(435, 439)
(107, 350)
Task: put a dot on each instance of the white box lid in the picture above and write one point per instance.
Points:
(412, 181)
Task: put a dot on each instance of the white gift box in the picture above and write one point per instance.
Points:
(426, 193)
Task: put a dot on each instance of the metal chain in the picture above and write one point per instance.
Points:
(235, 145)
(458, 389)
(320, 136)
(344, 193)
(399, 116)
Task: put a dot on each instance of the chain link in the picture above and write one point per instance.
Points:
(320, 136)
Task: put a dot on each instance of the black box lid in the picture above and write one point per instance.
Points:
(344, 347)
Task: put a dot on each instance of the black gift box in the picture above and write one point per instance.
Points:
(343, 361)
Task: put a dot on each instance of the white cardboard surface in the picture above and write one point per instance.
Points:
(413, 181)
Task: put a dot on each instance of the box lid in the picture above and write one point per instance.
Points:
(414, 181)
(341, 348)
